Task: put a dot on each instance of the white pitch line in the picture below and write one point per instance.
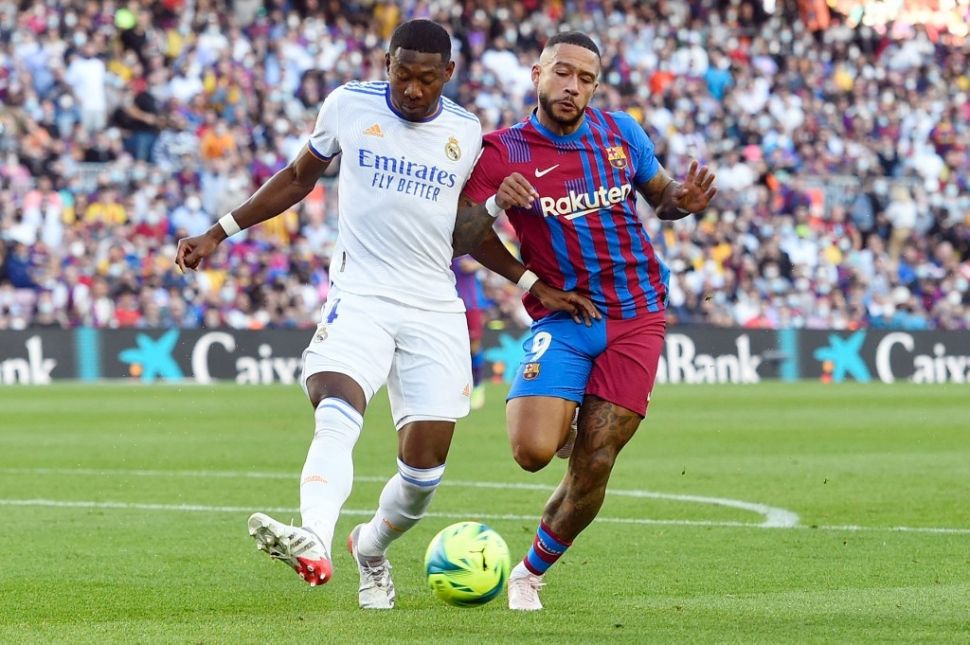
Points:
(897, 529)
(95, 472)
(773, 517)
(200, 508)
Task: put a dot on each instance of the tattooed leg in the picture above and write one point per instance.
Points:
(604, 428)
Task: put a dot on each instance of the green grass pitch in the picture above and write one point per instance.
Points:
(124, 520)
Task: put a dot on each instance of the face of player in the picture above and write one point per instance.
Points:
(565, 80)
(416, 80)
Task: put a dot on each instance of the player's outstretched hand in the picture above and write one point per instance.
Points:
(515, 190)
(192, 250)
(579, 307)
(698, 189)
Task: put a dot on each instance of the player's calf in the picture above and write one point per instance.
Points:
(605, 429)
(403, 502)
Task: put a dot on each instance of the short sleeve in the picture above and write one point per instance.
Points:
(641, 145)
(487, 175)
(324, 142)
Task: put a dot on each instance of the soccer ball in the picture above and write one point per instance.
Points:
(467, 564)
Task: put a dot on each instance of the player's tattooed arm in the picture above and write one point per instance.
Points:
(492, 254)
(474, 221)
(471, 224)
(672, 199)
(495, 256)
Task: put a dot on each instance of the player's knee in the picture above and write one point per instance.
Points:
(323, 385)
(337, 418)
(532, 458)
(594, 469)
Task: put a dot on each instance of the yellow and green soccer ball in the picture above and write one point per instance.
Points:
(467, 564)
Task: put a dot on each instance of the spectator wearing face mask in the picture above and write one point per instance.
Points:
(190, 217)
(799, 126)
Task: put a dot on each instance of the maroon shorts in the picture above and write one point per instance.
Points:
(615, 360)
(476, 323)
(626, 370)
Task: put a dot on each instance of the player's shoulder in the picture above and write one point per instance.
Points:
(503, 136)
(358, 91)
(617, 121)
(450, 109)
(374, 88)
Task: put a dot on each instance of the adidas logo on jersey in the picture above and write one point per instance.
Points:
(576, 204)
(375, 131)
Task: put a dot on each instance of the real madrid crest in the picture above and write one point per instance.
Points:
(617, 157)
(452, 150)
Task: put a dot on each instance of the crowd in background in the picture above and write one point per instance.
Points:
(842, 154)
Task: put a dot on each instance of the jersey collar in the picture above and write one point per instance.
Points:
(580, 132)
(390, 106)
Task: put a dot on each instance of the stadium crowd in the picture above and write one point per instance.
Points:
(842, 153)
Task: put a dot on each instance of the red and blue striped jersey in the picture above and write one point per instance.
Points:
(583, 232)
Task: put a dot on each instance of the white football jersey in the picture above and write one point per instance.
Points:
(398, 188)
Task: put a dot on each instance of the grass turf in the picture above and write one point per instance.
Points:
(124, 520)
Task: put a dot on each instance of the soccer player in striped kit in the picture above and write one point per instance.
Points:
(571, 198)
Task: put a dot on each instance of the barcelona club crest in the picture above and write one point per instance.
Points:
(530, 371)
(452, 151)
(617, 157)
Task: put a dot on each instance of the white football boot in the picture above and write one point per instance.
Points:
(566, 450)
(376, 589)
(524, 589)
(298, 547)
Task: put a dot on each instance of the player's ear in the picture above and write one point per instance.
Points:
(449, 70)
(387, 63)
(536, 72)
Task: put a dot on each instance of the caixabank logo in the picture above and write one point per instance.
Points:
(152, 358)
(253, 357)
(842, 358)
(691, 355)
(35, 358)
(888, 356)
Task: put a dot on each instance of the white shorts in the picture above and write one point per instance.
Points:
(423, 356)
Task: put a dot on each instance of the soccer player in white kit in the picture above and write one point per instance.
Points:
(392, 315)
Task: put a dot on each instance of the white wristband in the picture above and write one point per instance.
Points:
(684, 211)
(527, 280)
(491, 205)
(229, 224)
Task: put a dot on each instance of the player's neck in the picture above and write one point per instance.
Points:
(557, 128)
(421, 118)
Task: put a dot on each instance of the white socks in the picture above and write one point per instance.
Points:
(519, 571)
(328, 476)
(404, 500)
(328, 473)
